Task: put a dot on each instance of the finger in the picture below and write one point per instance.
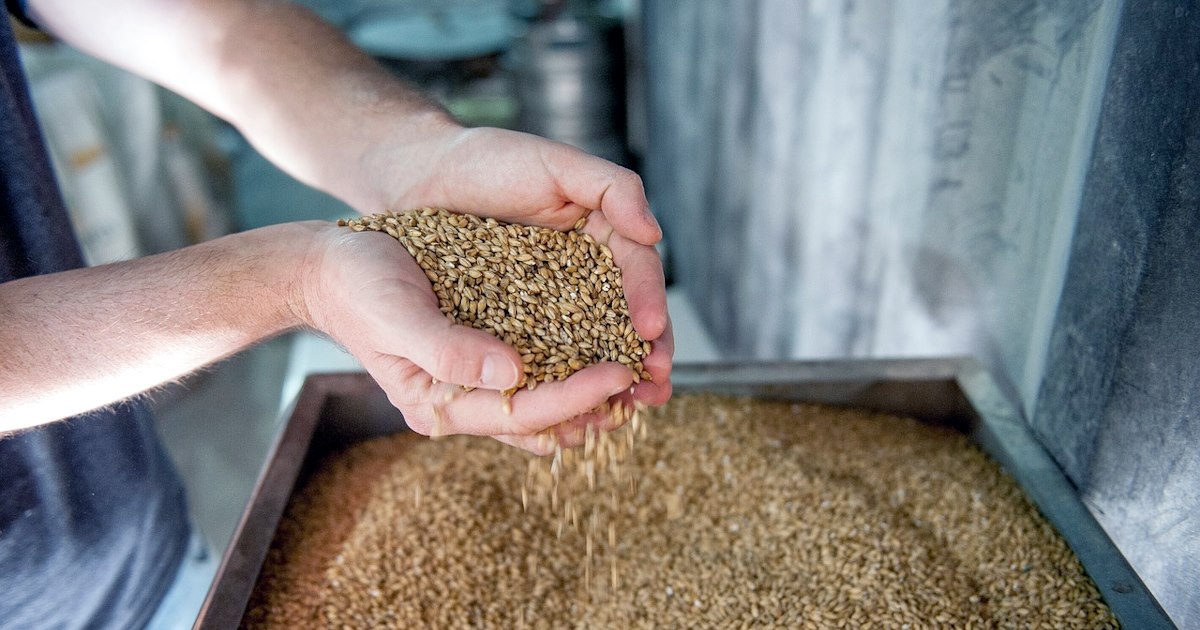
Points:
(433, 408)
(662, 353)
(408, 323)
(642, 277)
(529, 412)
(596, 183)
(460, 354)
(541, 444)
(531, 443)
(567, 434)
(653, 393)
(385, 304)
(407, 386)
(573, 432)
(658, 363)
(644, 285)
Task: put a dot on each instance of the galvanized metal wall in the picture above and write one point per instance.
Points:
(1118, 405)
(843, 178)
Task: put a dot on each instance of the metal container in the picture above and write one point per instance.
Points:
(566, 87)
(336, 410)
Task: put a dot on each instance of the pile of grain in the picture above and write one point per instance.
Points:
(744, 514)
(554, 296)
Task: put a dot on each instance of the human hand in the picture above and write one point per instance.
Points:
(366, 292)
(522, 178)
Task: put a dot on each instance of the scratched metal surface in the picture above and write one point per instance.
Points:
(1118, 405)
(911, 179)
(874, 179)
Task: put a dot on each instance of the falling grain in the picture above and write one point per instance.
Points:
(745, 513)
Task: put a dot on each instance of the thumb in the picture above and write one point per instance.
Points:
(376, 295)
(457, 354)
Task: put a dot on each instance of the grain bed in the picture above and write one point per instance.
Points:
(951, 393)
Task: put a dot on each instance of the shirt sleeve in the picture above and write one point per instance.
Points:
(16, 8)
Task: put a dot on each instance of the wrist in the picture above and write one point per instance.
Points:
(305, 292)
(279, 265)
(400, 166)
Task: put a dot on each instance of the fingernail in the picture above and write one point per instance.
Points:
(498, 372)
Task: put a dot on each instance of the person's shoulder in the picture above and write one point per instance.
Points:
(23, 26)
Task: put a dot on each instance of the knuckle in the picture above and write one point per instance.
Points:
(662, 394)
(419, 424)
(405, 395)
(416, 420)
(534, 426)
(455, 363)
(626, 177)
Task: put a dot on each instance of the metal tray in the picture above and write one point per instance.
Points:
(335, 410)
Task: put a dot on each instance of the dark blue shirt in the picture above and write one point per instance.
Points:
(93, 522)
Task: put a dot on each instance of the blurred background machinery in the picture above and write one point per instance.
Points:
(550, 67)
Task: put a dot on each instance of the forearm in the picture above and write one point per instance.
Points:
(82, 339)
(301, 93)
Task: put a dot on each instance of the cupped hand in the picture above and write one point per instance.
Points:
(522, 178)
(368, 294)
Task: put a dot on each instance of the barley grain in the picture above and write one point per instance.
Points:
(844, 519)
(524, 284)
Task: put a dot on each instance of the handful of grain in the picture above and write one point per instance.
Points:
(556, 297)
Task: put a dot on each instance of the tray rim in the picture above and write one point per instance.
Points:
(997, 426)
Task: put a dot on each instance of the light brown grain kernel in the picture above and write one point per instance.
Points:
(522, 284)
(844, 519)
